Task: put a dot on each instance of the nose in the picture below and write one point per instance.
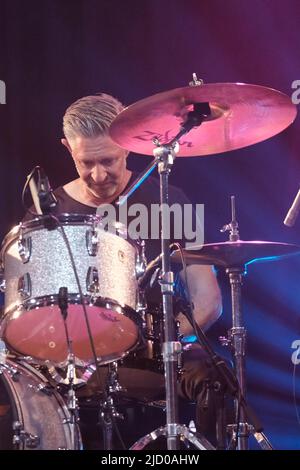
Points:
(99, 174)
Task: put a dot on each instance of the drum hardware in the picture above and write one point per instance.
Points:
(24, 286)
(228, 382)
(11, 370)
(164, 156)
(21, 437)
(92, 242)
(44, 388)
(141, 262)
(108, 413)
(153, 337)
(241, 431)
(195, 81)
(24, 248)
(186, 435)
(44, 199)
(37, 415)
(71, 379)
(92, 280)
(47, 198)
(235, 255)
(221, 107)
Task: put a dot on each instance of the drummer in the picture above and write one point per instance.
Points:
(102, 177)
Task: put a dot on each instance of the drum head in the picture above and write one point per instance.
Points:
(40, 333)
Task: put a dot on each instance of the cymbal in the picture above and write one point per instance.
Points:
(239, 253)
(241, 115)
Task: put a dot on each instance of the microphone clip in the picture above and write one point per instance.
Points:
(47, 198)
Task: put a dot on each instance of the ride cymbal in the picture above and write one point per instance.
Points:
(241, 115)
(239, 253)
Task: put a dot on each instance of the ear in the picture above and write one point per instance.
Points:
(66, 144)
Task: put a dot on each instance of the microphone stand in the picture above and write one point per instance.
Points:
(71, 379)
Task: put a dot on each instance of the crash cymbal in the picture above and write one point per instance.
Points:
(239, 253)
(241, 115)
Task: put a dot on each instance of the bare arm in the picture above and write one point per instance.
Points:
(205, 295)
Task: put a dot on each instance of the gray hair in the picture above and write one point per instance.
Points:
(91, 116)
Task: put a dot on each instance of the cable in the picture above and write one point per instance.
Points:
(65, 238)
(191, 318)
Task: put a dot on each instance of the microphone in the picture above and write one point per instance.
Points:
(34, 195)
(46, 196)
(293, 212)
(63, 301)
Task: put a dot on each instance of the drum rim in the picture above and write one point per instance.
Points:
(74, 299)
(27, 370)
(65, 219)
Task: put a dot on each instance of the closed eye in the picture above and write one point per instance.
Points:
(108, 161)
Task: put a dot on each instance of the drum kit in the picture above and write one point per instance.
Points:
(73, 300)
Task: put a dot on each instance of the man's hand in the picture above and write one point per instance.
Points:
(205, 295)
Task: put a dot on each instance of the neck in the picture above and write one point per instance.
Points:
(78, 190)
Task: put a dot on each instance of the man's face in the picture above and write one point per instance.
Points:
(100, 163)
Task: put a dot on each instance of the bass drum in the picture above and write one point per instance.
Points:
(33, 416)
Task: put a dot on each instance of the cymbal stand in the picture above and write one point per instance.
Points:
(237, 333)
(164, 158)
(237, 340)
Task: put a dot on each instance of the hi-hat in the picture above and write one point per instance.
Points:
(239, 253)
(241, 115)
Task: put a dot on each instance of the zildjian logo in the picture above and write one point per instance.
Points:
(148, 136)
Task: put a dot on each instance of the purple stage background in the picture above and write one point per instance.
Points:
(55, 51)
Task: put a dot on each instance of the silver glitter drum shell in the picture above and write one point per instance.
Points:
(33, 415)
(37, 263)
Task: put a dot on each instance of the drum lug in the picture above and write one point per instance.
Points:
(21, 436)
(92, 241)
(25, 248)
(141, 261)
(46, 389)
(14, 373)
(2, 281)
(92, 280)
(24, 286)
(141, 303)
